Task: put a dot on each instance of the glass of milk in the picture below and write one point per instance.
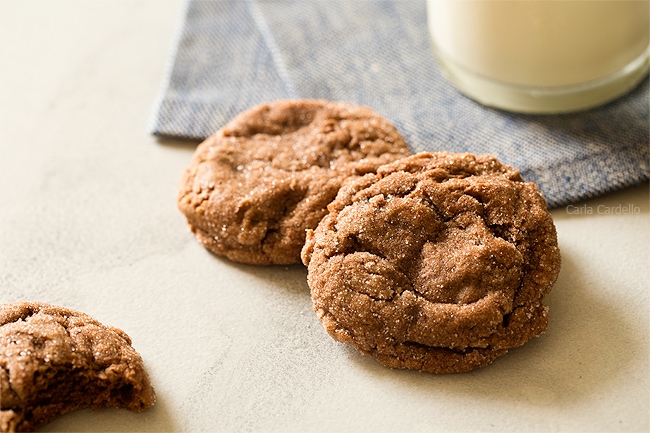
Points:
(541, 56)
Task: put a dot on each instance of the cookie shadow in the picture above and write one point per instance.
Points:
(587, 345)
(177, 142)
(280, 279)
(155, 419)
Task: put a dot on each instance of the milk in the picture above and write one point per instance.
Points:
(542, 55)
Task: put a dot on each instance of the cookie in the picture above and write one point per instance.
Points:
(438, 262)
(54, 360)
(255, 186)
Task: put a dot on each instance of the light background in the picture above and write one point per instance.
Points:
(88, 220)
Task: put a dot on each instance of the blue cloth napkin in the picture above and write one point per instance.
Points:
(233, 54)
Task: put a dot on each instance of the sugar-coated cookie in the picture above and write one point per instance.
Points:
(54, 360)
(438, 262)
(256, 185)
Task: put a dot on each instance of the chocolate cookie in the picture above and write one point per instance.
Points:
(255, 186)
(54, 360)
(438, 262)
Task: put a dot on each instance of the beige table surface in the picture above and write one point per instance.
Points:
(88, 220)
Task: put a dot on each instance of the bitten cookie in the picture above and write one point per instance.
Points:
(255, 186)
(54, 360)
(439, 262)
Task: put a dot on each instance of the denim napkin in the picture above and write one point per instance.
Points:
(232, 54)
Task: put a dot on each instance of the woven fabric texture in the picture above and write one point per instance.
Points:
(232, 54)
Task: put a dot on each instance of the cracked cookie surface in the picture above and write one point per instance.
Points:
(438, 262)
(54, 360)
(255, 186)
